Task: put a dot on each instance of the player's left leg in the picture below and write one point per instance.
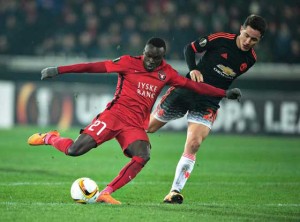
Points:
(196, 133)
(80, 146)
(199, 125)
(96, 133)
(38, 139)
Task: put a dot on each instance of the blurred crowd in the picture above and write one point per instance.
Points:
(110, 28)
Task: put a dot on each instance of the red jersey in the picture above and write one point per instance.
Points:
(138, 89)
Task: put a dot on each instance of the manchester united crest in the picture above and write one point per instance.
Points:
(243, 67)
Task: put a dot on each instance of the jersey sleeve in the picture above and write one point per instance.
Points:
(198, 46)
(107, 66)
(119, 65)
(89, 67)
(177, 80)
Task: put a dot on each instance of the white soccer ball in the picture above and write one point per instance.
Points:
(84, 190)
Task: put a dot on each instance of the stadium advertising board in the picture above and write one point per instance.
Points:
(267, 113)
(66, 105)
(7, 90)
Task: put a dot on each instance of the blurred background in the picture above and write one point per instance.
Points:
(109, 28)
(35, 34)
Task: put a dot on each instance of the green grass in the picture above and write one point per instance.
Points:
(236, 178)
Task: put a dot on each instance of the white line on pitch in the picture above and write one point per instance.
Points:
(158, 182)
(151, 204)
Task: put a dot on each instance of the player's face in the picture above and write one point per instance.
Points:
(248, 38)
(153, 57)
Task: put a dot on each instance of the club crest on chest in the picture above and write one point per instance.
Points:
(162, 75)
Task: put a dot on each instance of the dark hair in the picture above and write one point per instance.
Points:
(256, 22)
(157, 42)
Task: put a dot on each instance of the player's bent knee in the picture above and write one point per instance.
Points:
(82, 145)
(141, 160)
(75, 150)
(78, 150)
(194, 144)
(139, 149)
(146, 157)
(143, 156)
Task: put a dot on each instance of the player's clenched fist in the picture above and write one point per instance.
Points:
(49, 72)
(234, 94)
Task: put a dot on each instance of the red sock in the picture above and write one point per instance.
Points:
(60, 143)
(127, 173)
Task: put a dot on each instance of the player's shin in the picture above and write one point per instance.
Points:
(127, 174)
(60, 143)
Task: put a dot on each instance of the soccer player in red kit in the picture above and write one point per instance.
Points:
(140, 80)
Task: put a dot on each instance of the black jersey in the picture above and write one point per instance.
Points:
(221, 63)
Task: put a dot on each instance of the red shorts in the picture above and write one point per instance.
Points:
(107, 126)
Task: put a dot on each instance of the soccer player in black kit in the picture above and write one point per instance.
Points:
(226, 57)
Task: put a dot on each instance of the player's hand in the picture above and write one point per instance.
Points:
(234, 94)
(49, 72)
(196, 75)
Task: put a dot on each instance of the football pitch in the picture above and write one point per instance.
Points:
(236, 178)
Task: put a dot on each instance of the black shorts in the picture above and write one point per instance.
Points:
(176, 103)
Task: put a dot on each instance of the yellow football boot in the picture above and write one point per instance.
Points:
(105, 197)
(174, 197)
(38, 139)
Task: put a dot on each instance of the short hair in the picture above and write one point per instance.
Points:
(256, 22)
(157, 42)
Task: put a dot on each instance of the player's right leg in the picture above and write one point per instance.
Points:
(154, 124)
(105, 197)
(135, 144)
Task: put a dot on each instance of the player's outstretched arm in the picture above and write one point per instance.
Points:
(234, 93)
(49, 72)
(90, 67)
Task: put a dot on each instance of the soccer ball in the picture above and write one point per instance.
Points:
(84, 190)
